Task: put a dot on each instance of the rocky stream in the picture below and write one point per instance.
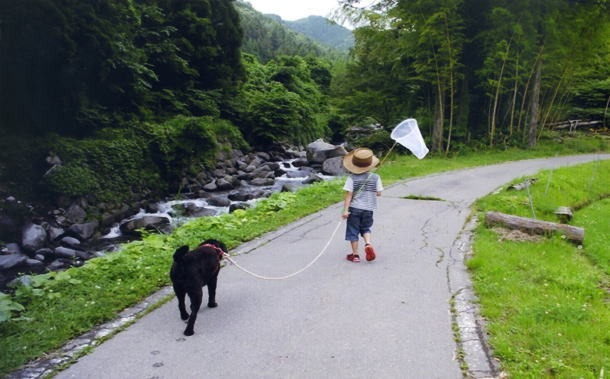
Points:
(55, 239)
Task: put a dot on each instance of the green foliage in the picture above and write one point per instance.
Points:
(76, 67)
(281, 101)
(8, 307)
(111, 167)
(118, 165)
(377, 141)
(186, 144)
(22, 163)
(593, 219)
(73, 179)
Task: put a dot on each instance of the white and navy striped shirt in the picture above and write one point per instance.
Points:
(364, 188)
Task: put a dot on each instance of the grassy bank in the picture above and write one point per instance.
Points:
(546, 300)
(58, 306)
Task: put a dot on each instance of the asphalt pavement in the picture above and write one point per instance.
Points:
(408, 314)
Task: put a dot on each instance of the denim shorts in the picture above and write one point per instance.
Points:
(358, 222)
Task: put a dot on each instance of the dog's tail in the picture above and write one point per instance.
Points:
(180, 252)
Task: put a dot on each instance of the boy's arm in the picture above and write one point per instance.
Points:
(346, 202)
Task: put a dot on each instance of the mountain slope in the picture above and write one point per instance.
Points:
(267, 36)
(324, 31)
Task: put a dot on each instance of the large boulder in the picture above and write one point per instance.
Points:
(219, 201)
(76, 214)
(319, 151)
(194, 210)
(224, 183)
(144, 222)
(33, 237)
(334, 166)
(83, 231)
(64, 252)
(11, 260)
(11, 248)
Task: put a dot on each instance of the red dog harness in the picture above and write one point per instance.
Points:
(218, 250)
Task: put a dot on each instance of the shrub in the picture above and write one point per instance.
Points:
(73, 179)
(187, 144)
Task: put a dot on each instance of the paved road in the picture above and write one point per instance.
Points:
(390, 318)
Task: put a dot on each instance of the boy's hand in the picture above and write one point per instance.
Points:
(345, 215)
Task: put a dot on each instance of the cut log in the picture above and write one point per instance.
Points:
(573, 233)
(573, 124)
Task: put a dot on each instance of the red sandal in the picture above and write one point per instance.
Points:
(370, 252)
(353, 258)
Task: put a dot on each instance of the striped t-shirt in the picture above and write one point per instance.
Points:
(364, 187)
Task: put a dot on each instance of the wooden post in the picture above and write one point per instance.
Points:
(573, 233)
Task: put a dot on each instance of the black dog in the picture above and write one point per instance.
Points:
(191, 271)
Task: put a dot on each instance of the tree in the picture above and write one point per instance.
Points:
(281, 102)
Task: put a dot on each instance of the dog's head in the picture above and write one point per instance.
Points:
(220, 247)
(182, 252)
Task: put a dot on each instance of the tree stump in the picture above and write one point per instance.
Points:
(524, 184)
(564, 214)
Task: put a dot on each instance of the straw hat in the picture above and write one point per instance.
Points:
(360, 160)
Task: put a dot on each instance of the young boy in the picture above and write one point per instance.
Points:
(362, 188)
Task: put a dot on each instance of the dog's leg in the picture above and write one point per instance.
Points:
(180, 295)
(212, 292)
(195, 296)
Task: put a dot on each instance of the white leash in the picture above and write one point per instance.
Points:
(228, 257)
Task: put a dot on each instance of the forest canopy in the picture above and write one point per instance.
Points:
(88, 81)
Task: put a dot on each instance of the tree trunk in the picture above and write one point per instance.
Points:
(439, 115)
(496, 99)
(573, 233)
(532, 136)
(451, 87)
(514, 101)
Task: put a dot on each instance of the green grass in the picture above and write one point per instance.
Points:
(398, 167)
(595, 219)
(547, 302)
(60, 306)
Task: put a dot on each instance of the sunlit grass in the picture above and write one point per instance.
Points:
(547, 302)
(596, 221)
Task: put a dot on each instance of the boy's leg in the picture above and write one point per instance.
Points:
(353, 257)
(368, 248)
(354, 245)
(367, 238)
(351, 235)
